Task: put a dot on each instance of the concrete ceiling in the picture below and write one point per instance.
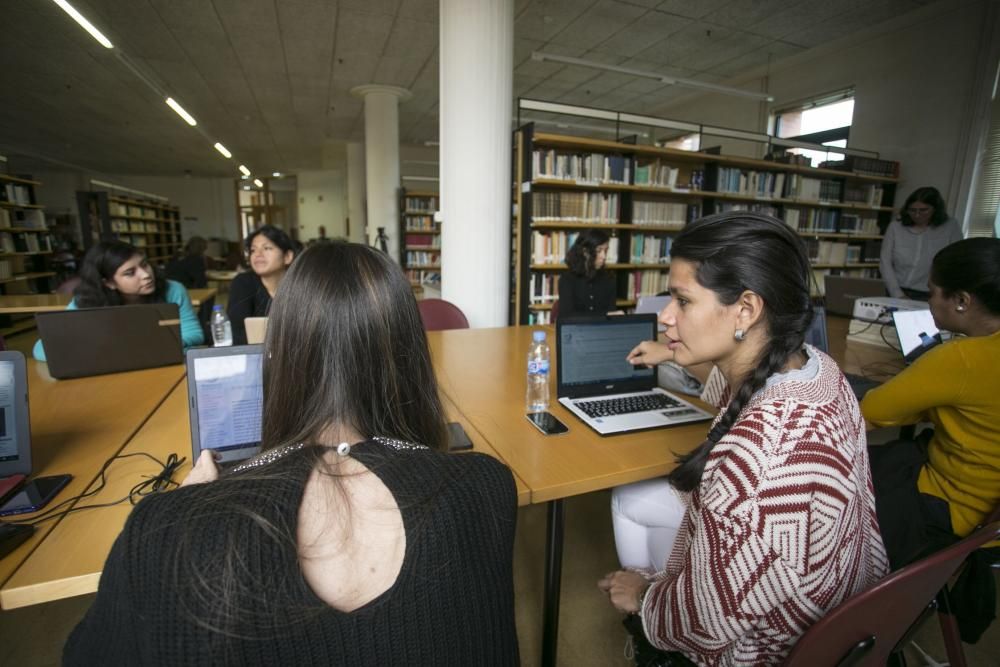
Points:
(270, 79)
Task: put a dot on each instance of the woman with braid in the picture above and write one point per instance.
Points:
(770, 522)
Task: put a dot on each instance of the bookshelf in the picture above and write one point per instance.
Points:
(421, 237)
(152, 226)
(25, 246)
(642, 196)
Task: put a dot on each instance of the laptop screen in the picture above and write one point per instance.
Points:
(916, 329)
(595, 352)
(8, 427)
(230, 400)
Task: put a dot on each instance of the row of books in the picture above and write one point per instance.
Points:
(663, 213)
(6, 270)
(16, 193)
(865, 166)
(551, 247)
(422, 223)
(433, 240)
(656, 173)
(424, 277)
(115, 208)
(812, 189)
(650, 249)
(864, 194)
(428, 204)
(126, 226)
(856, 223)
(543, 288)
(840, 253)
(31, 218)
(418, 258)
(764, 184)
(25, 242)
(594, 207)
(581, 167)
(647, 283)
(823, 220)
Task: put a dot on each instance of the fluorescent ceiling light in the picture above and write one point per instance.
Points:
(662, 78)
(188, 118)
(84, 23)
(276, 174)
(258, 182)
(222, 149)
(244, 170)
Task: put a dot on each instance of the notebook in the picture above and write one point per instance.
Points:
(652, 304)
(842, 291)
(225, 400)
(15, 428)
(95, 341)
(598, 385)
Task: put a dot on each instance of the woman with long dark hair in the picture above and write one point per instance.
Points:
(770, 521)
(270, 252)
(587, 288)
(930, 491)
(911, 242)
(353, 539)
(115, 273)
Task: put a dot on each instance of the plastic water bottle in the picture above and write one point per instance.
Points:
(222, 330)
(538, 373)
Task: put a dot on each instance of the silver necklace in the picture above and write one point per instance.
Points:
(344, 449)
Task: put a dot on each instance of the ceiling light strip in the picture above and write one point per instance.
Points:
(84, 23)
(259, 183)
(188, 118)
(244, 170)
(569, 109)
(222, 149)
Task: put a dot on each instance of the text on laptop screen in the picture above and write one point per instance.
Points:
(596, 352)
(915, 328)
(230, 400)
(8, 413)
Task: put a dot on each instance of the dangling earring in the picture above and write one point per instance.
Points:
(343, 449)
(739, 334)
(960, 308)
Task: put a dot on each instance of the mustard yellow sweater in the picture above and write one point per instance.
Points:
(955, 386)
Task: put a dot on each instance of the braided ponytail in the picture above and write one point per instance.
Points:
(735, 252)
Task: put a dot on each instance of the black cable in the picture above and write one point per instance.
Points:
(881, 332)
(157, 483)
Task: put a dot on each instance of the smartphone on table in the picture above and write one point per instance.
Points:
(546, 423)
(35, 495)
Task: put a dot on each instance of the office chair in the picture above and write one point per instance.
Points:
(868, 627)
(439, 315)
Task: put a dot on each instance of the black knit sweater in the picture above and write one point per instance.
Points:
(452, 603)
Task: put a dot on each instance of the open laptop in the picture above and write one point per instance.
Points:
(652, 304)
(842, 291)
(916, 331)
(15, 427)
(598, 385)
(225, 400)
(95, 341)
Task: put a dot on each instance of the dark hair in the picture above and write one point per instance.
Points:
(195, 246)
(734, 252)
(931, 197)
(973, 266)
(276, 236)
(580, 257)
(100, 264)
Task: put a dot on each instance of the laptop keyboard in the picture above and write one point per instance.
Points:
(624, 405)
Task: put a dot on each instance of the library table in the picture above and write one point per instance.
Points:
(43, 303)
(77, 425)
(70, 559)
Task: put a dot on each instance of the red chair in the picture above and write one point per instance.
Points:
(438, 315)
(68, 285)
(865, 629)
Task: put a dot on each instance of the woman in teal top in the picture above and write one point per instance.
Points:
(117, 274)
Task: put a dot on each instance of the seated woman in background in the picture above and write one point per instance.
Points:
(117, 274)
(270, 251)
(911, 242)
(345, 542)
(189, 268)
(770, 522)
(946, 483)
(586, 288)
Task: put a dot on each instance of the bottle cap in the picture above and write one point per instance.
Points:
(217, 306)
(538, 336)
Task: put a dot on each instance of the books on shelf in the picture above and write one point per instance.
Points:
(647, 283)
(16, 193)
(424, 277)
(813, 189)
(6, 271)
(593, 168)
(551, 247)
(865, 166)
(543, 288)
(662, 213)
(765, 184)
(858, 223)
(650, 249)
(427, 240)
(806, 220)
(592, 207)
(7, 242)
(655, 173)
(418, 258)
(420, 204)
(863, 194)
(421, 223)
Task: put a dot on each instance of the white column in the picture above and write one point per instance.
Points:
(382, 159)
(477, 44)
(356, 191)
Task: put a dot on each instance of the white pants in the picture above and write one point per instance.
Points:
(647, 516)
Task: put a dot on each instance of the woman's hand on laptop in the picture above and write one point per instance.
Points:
(650, 353)
(204, 470)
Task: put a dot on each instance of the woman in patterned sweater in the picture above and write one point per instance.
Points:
(775, 509)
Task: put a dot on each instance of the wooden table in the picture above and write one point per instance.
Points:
(77, 425)
(89, 534)
(42, 303)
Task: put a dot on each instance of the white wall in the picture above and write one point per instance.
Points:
(913, 79)
(322, 201)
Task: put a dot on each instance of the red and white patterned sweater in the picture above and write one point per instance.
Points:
(781, 529)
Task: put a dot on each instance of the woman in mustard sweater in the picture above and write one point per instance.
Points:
(946, 482)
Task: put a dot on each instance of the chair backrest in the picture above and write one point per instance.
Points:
(68, 285)
(865, 628)
(438, 315)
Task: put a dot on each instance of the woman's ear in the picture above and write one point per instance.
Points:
(289, 256)
(751, 310)
(110, 284)
(962, 301)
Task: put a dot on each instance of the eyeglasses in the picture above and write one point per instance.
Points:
(920, 211)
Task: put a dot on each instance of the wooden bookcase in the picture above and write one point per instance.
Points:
(421, 237)
(25, 246)
(644, 195)
(151, 226)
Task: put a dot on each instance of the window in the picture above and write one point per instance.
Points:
(825, 121)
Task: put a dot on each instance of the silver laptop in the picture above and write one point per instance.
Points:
(15, 426)
(225, 399)
(842, 291)
(95, 341)
(652, 304)
(598, 385)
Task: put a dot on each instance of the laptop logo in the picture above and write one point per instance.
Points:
(609, 386)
